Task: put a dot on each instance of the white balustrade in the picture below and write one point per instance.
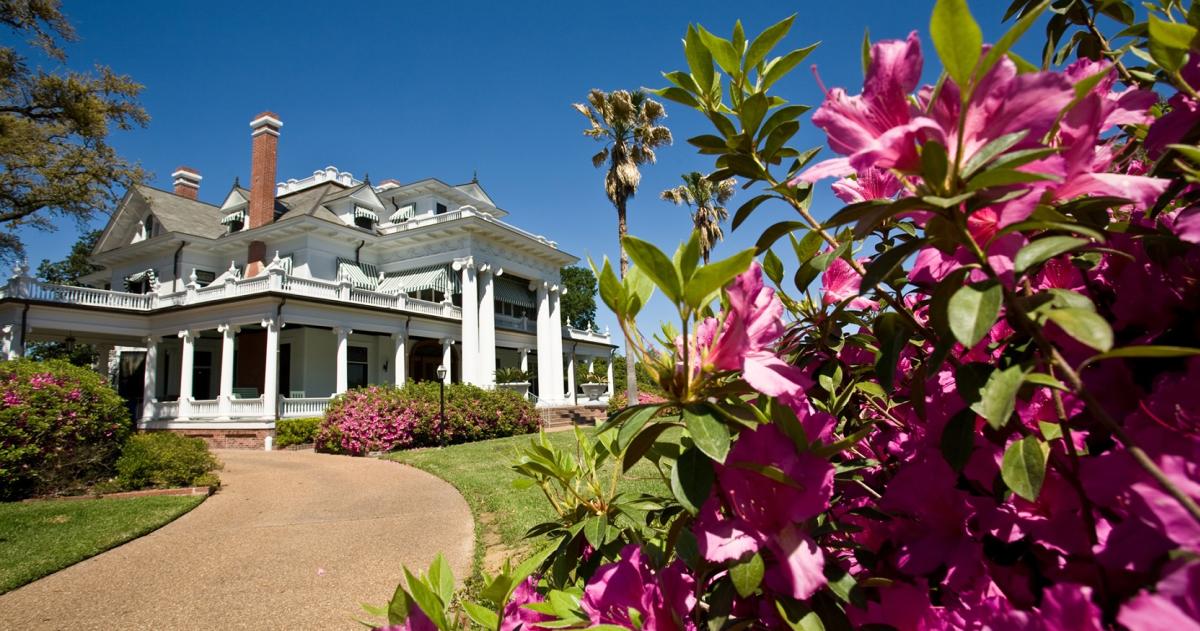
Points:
(246, 407)
(302, 407)
(166, 409)
(373, 298)
(310, 287)
(204, 408)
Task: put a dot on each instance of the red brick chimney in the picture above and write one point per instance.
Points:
(187, 182)
(264, 147)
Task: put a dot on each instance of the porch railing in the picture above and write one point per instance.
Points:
(302, 407)
(246, 407)
(202, 408)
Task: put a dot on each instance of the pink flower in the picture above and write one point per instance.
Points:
(516, 617)
(867, 185)
(840, 282)
(1174, 604)
(664, 598)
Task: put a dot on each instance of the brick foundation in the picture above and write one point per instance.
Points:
(226, 438)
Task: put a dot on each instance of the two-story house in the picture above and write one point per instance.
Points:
(226, 318)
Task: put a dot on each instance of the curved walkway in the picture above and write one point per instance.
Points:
(293, 540)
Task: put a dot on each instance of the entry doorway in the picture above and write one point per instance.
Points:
(426, 356)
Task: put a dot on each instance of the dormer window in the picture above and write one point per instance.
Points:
(440, 209)
(235, 221)
(365, 217)
(149, 227)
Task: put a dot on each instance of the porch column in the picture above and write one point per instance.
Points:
(225, 398)
(487, 326)
(571, 377)
(103, 355)
(611, 356)
(544, 376)
(271, 368)
(524, 352)
(469, 371)
(8, 348)
(186, 368)
(447, 357)
(342, 349)
(400, 357)
(150, 379)
(555, 340)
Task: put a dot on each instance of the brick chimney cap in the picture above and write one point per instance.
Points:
(270, 119)
(185, 169)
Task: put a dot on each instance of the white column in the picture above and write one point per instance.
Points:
(342, 355)
(271, 368)
(487, 326)
(556, 341)
(544, 375)
(8, 347)
(399, 357)
(103, 355)
(524, 352)
(469, 371)
(447, 358)
(150, 379)
(571, 378)
(186, 368)
(611, 355)
(228, 335)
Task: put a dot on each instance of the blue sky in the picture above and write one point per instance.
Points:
(414, 90)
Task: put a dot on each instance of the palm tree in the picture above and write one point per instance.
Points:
(627, 123)
(707, 198)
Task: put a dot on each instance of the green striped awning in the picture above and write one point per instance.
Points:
(437, 277)
(362, 275)
(134, 279)
(514, 292)
(360, 213)
(237, 216)
(404, 213)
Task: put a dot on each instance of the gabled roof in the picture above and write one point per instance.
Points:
(175, 213)
(474, 189)
(308, 202)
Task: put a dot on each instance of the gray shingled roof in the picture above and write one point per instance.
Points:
(308, 202)
(180, 214)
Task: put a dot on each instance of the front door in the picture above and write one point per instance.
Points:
(131, 381)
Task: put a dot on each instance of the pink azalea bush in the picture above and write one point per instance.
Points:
(384, 418)
(973, 403)
(61, 428)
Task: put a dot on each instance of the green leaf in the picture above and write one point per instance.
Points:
(611, 291)
(773, 267)
(1024, 466)
(481, 615)
(641, 444)
(441, 578)
(747, 575)
(1087, 327)
(1043, 249)
(1129, 352)
(710, 278)
(866, 51)
(687, 257)
(893, 333)
(429, 602)
(743, 211)
(397, 609)
(882, 266)
(776, 232)
(631, 420)
(595, 529)
(655, 265)
(638, 290)
(708, 432)
(699, 60)
(1169, 43)
(692, 479)
(679, 95)
(1042, 379)
(753, 109)
(766, 41)
(722, 51)
(973, 310)
(991, 150)
(997, 397)
(958, 40)
(1050, 431)
(1005, 177)
(958, 439)
(780, 66)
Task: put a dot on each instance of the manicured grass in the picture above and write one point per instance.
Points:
(483, 473)
(42, 537)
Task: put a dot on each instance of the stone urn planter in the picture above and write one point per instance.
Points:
(521, 388)
(593, 391)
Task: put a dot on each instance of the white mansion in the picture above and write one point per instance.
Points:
(229, 317)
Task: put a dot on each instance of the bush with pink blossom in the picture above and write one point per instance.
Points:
(384, 418)
(61, 428)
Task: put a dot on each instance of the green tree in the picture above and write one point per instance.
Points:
(628, 125)
(68, 271)
(55, 159)
(707, 200)
(579, 303)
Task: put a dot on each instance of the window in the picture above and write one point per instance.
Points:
(440, 209)
(236, 226)
(356, 366)
(364, 222)
(204, 277)
(431, 295)
(150, 226)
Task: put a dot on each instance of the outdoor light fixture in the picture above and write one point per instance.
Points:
(441, 373)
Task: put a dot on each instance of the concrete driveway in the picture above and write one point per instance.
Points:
(293, 540)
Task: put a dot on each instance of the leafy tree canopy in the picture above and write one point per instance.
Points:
(579, 303)
(55, 159)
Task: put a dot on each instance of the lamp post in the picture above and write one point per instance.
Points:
(441, 373)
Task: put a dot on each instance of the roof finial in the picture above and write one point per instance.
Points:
(475, 176)
(366, 178)
(237, 181)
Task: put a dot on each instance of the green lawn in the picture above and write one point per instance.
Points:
(482, 473)
(42, 537)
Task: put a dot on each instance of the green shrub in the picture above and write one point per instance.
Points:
(382, 418)
(296, 431)
(61, 428)
(165, 460)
